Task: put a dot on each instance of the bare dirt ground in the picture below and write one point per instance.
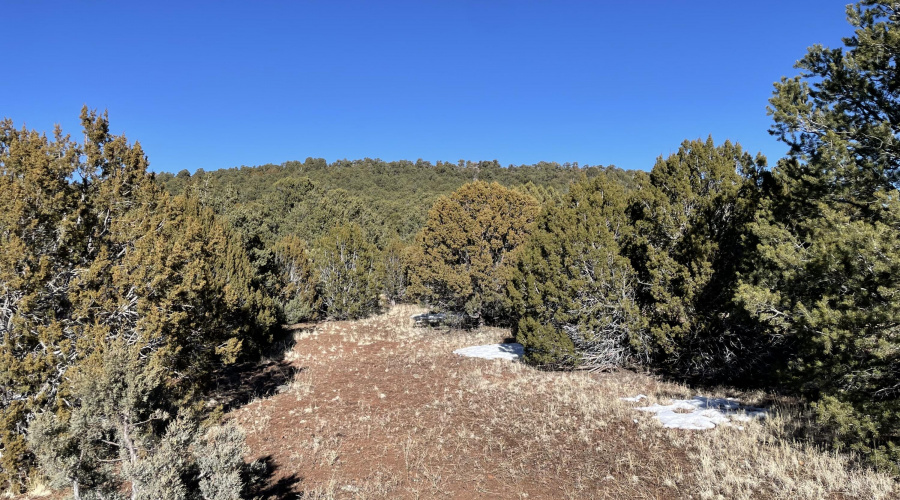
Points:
(379, 409)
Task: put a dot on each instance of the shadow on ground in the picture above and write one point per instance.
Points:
(238, 384)
(260, 478)
(241, 383)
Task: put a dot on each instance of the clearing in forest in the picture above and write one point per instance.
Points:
(378, 408)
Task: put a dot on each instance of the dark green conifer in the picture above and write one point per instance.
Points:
(299, 290)
(347, 267)
(826, 275)
(689, 216)
(572, 291)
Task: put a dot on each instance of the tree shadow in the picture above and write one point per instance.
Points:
(259, 478)
(237, 384)
(243, 383)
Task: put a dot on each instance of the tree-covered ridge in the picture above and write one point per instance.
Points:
(120, 292)
(392, 197)
(387, 203)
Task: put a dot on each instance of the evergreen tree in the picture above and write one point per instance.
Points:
(690, 214)
(467, 247)
(347, 266)
(39, 237)
(298, 293)
(101, 257)
(119, 439)
(827, 271)
(395, 271)
(572, 292)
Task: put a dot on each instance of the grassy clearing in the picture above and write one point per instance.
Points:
(380, 409)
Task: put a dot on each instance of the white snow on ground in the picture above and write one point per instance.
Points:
(635, 399)
(493, 351)
(700, 412)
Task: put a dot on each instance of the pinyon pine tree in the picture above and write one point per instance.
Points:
(826, 279)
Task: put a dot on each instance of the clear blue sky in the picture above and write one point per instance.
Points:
(221, 84)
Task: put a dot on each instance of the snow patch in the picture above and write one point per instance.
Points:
(635, 399)
(510, 351)
(701, 412)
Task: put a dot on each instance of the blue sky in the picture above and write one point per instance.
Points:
(222, 84)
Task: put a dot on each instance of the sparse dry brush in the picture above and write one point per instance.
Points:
(380, 409)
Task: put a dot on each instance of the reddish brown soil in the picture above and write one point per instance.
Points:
(406, 418)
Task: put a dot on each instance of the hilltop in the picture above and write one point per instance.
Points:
(377, 408)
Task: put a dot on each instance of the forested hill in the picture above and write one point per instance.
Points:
(389, 199)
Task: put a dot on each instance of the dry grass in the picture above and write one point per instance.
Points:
(380, 409)
(37, 488)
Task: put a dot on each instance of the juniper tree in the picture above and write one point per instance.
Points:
(40, 236)
(94, 255)
(298, 291)
(122, 436)
(571, 291)
(690, 215)
(347, 266)
(395, 271)
(467, 247)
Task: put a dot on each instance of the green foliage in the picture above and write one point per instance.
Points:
(115, 438)
(347, 266)
(689, 216)
(826, 274)
(220, 459)
(544, 195)
(298, 293)
(467, 246)
(38, 212)
(94, 256)
(395, 264)
(388, 199)
(571, 290)
(645, 273)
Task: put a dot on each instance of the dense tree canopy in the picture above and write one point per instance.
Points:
(388, 199)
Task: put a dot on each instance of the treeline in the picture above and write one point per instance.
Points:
(329, 240)
(388, 199)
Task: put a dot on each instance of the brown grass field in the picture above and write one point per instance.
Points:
(379, 409)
